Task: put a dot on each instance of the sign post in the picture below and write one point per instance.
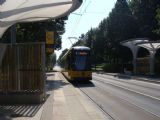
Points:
(50, 41)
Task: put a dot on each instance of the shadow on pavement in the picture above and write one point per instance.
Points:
(123, 76)
(53, 85)
(19, 110)
(50, 75)
(82, 84)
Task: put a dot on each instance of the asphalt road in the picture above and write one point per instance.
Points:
(123, 99)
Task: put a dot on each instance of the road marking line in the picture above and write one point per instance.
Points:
(130, 101)
(131, 90)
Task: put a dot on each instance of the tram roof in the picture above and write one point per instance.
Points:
(81, 48)
(15, 11)
(75, 48)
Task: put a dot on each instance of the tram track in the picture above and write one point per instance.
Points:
(99, 106)
(133, 102)
(103, 101)
(93, 101)
(121, 99)
(128, 101)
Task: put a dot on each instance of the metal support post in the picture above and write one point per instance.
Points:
(16, 53)
(152, 62)
(13, 34)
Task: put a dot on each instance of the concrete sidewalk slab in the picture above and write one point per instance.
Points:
(77, 105)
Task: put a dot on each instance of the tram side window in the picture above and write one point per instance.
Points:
(72, 61)
(68, 62)
(88, 63)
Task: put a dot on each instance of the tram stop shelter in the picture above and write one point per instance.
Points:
(151, 46)
(22, 66)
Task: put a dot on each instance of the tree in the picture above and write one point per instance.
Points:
(120, 26)
(158, 20)
(50, 61)
(145, 11)
(89, 38)
(35, 31)
(80, 42)
(60, 61)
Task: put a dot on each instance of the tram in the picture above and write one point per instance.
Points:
(77, 64)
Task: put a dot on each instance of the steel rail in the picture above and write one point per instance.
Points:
(99, 106)
(94, 102)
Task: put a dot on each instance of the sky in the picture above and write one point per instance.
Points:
(88, 16)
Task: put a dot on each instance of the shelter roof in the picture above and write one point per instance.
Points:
(131, 43)
(14, 11)
(151, 46)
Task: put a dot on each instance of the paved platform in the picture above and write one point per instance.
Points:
(64, 102)
(71, 104)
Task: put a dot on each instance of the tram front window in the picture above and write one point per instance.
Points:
(80, 62)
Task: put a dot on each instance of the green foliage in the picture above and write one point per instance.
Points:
(6, 37)
(111, 68)
(60, 60)
(145, 11)
(35, 31)
(158, 20)
(120, 26)
(50, 61)
(120, 23)
(157, 66)
(157, 62)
